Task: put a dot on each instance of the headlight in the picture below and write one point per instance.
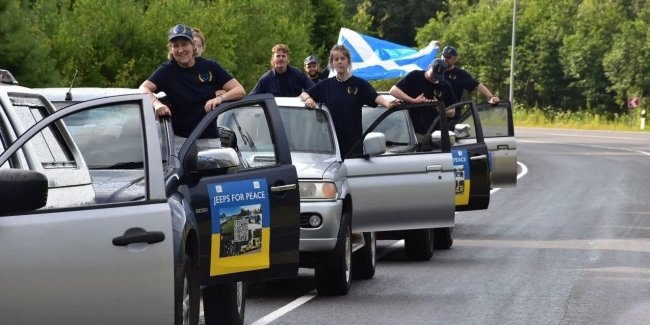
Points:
(318, 190)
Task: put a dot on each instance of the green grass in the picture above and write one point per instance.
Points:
(577, 120)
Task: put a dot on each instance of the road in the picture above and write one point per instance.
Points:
(569, 245)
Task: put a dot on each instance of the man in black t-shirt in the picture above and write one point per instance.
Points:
(460, 79)
(425, 86)
(282, 80)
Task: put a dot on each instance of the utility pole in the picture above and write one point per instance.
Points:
(512, 51)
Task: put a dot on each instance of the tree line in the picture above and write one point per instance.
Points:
(570, 55)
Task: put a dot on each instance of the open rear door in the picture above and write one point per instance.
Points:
(499, 134)
(470, 160)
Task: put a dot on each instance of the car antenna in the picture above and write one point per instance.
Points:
(68, 95)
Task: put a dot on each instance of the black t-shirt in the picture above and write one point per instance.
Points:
(345, 101)
(289, 84)
(460, 80)
(188, 89)
(415, 84)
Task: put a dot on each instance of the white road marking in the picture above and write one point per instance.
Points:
(311, 294)
(286, 308)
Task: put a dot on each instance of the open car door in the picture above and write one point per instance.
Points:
(245, 194)
(401, 185)
(499, 134)
(471, 160)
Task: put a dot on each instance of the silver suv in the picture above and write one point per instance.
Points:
(153, 232)
(400, 188)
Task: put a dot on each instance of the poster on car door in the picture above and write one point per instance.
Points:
(461, 175)
(241, 232)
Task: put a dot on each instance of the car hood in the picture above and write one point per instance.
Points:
(118, 185)
(312, 165)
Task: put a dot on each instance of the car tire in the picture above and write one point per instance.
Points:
(443, 238)
(418, 244)
(333, 273)
(224, 303)
(364, 261)
(188, 293)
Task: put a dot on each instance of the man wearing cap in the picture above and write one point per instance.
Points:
(282, 80)
(460, 79)
(190, 83)
(425, 86)
(312, 69)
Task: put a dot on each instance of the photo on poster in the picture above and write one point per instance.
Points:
(241, 230)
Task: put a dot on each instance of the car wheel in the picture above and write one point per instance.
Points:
(333, 274)
(443, 238)
(187, 300)
(364, 261)
(419, 244)
(224, 303)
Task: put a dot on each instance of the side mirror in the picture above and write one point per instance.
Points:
(462, 131)
(210, 159)
(23, 191)
(374, 144)
(436, 136)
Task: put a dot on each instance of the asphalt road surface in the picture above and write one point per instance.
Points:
(570, 244)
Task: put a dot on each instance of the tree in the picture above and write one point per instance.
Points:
(582, 53)
(26, 51)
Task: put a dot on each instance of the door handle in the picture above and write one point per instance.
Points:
(434, 168)
(282, 188)
(503, 147)
(479, 157)
(138, 235)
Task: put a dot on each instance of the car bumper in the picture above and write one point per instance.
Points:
(323, 238)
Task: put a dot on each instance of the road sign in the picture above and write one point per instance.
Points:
(633, 102)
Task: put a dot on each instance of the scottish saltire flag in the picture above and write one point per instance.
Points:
(374, 59)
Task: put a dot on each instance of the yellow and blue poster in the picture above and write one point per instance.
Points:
(241, 219)
(462, 176)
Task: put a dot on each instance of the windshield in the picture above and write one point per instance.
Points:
(308, 130)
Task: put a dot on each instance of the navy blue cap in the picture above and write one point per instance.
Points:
(439, 66)
(180, 30)
(449, 51)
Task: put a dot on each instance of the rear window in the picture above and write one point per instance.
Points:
(48, 145)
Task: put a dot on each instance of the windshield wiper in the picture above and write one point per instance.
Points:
(126, 165)
(244, 134)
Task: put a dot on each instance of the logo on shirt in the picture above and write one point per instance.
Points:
(437, 93)
(352, 90)
(452, 76)
(205, 77)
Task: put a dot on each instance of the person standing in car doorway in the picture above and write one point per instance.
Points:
(191, 84)
(345, 95)
(282, 80)
(425, 86)
(460, 79)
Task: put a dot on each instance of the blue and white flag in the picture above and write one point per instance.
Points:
(375, 59)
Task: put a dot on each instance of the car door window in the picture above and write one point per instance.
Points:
(94, 156)
(396, 128)
(254, 140)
